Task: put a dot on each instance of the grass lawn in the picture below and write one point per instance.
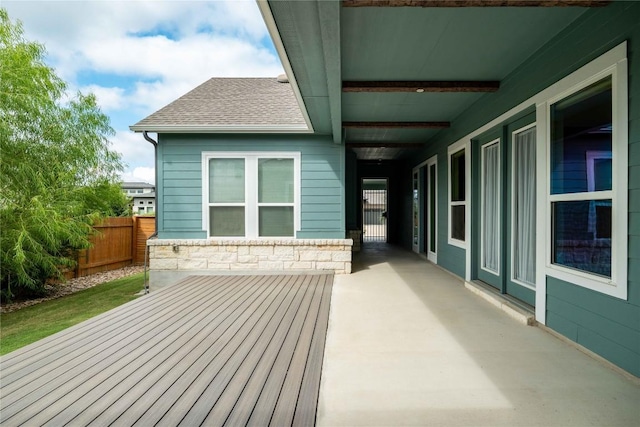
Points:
(30, 324)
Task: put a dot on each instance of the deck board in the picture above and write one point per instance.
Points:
(207, 351)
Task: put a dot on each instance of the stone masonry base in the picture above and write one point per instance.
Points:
(265, 255)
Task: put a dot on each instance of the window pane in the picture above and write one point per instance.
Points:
(276, 221)
(602, 174)
(581, 128)
(524, 206)
(457, 222)
(226, 221)
(275, 180)
(491, 208)
(226, 181)
(582, 235)
(457, 176)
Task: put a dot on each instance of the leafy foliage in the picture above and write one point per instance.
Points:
(58, 174)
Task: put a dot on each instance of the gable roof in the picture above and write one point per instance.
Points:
(136, 184)
(230, 105)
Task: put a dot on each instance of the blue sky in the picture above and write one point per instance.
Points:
(137, 56)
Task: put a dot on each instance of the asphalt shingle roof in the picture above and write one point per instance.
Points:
(230, 102)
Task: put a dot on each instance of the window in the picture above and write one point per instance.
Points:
(457, 196)
(584, 146)
(251, 194)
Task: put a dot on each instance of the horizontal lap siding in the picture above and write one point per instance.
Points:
(634, 199)
(180, 172)
(608, 326)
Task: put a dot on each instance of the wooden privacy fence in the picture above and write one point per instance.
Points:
(120, 242)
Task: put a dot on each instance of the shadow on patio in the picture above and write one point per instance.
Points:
(409, 345)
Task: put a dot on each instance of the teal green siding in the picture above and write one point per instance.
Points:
(180, 180)
(603, 324)
(608, 326)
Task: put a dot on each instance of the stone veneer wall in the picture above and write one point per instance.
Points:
(263, 254)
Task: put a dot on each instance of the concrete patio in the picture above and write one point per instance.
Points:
(409, 345)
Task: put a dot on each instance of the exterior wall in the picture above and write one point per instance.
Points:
(319, 245)
(179, 192)
(606, 325)
(170, 259)
(144, 202)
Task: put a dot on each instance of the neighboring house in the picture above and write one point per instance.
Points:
(132, 189)
(144, 203)
(143, 197)
(509, 138)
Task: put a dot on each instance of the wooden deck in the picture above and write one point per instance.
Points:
(212, 350)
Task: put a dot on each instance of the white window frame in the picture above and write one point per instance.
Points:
(431, 162)
(513, 206)
(497, 142)
(427, 164)
(251, 203)
(453, 149)
(616, 286)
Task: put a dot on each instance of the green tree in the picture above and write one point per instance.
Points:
(58, 174)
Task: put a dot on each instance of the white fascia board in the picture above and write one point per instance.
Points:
(270, 22)
(222, 129)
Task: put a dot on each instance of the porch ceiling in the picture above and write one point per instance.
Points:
(401, 44)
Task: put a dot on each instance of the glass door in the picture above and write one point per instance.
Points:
(504, 227)
(415, 211)
(521, 271)
(424, 209)
(491, 203)
(431, 240)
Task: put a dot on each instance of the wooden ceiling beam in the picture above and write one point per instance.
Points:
(384, 145)
(396, 125)
(475, 3)
(420, 86)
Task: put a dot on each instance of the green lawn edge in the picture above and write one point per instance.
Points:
(25, 326)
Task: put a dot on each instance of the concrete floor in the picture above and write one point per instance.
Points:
(409, 345)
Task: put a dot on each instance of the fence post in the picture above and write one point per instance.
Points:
(134, 240)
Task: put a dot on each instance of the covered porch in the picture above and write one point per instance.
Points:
(406, 344)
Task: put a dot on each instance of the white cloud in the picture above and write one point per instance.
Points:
(109, 98)
(139, 174)
(177, 67)
(105, 35)
(135, 150)
(138, 154)
(145, 54)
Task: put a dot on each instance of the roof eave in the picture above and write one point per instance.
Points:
(221, 129)
(270, 22)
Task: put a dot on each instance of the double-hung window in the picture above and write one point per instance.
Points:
(457, 195)
(587, 235)
(251, 194)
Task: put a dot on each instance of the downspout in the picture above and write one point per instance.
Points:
(155, 233)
